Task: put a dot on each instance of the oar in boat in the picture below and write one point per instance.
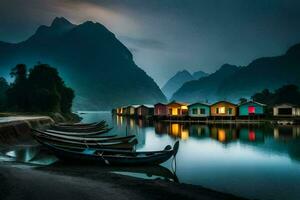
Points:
(85, 139)
(129, 145)
(102, 157)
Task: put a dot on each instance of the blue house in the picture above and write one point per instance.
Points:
(251, 108)
(199, 110)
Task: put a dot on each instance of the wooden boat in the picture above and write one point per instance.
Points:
(77, 124)
(113, 158)
(82, 134)
(129, 145)
(94, 128)
(85, 139)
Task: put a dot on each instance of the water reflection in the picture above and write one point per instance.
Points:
(222, 156)
(30, 154)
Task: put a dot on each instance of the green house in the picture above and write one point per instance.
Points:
(199, 110)
(251, 108)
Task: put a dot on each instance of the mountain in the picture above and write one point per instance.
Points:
(174, 83)
(268, 72)
(232, 83)
(199, 74)
(91, 59)
(205, 88)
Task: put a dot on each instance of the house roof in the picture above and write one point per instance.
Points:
(223, 102)
(200, 103)
(146, 105)
(179, 103)
(251, 101)
(286, 104)
(133, 106)
(160, 104)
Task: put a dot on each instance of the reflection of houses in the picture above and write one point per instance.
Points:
(252, 135)
(197, 130)
(199, 110)
(178, 130)
(251, 108)
(286, 110)
(160, 110)
(145, 110)
(286, 132)
(223, 135)
(177, 109)
(223, 109)
(119, 120)
(160, 127)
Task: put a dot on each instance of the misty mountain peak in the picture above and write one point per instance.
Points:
(183, 73)
(60, 22)
(227, 67)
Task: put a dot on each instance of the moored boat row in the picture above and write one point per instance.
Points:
(77, 143)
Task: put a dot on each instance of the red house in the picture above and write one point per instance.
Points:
(160, 109)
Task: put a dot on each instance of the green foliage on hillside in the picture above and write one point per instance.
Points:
(286, 94)
(40, 90)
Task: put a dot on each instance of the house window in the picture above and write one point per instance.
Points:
(220, 110)
(251, 109)
(230, 111)
(194, 111)
(173, 111)
(202, 111)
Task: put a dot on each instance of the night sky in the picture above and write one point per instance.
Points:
(170, 35)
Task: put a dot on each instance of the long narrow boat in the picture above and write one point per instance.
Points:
(98, 127)
(83, 145)
(106, 157)
(78, 124)
(82, 134)
(81, 126)
(85, 139)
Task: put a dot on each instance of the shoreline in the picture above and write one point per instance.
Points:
(19, 181)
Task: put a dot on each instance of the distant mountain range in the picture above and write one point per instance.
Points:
(175, 82)
(231, 82)
(91, 59)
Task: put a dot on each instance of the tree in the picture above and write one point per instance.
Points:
(243, 100)
(3, 89)
(67, 97)
(285, 94)
(17, 93)
(265, 97)
(48, 90)
(43, 90)
(19, 72)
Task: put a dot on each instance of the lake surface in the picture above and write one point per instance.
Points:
(252, 161)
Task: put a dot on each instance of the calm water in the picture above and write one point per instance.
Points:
(251, 161)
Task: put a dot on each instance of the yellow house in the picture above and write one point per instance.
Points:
(177, 109)
(223, 109)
